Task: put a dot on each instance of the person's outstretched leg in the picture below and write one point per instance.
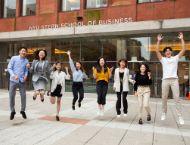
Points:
(81, 95)
(146, 99)
(58, 108)
(165, 92)
(175, 91)
(36, 93)
(75, 95)
(104, 93)
(99, 91)
(118, 104)
(12, 93)
(42, 93)
(22, 90)
(140, 103)
(52, 100)
(125, 103)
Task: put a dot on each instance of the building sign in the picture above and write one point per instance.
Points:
(79, 24)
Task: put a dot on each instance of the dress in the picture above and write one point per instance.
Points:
(40, 84)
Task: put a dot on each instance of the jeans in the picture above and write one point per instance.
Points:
(12, 92)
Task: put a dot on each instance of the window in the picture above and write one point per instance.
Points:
(28, 7)
(89, 47)
(144, 1)
(97, 3)
(70, 5)
(8, 9)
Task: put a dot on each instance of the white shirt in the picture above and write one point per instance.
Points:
(170, 66)
(58, 78)
(59, 75)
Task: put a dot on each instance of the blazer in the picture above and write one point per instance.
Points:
(62, 76)
(126, 80)
(36, 75)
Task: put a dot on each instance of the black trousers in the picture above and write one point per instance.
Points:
(124, 100)
(78, 92)
(101, 89)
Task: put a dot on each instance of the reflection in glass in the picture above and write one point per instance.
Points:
(91, 49)
(97, 3)
(144, 1)
(9, 8)
(60, 47)
(87, 50)
(29, 7)
(70, 5)
(110, 49)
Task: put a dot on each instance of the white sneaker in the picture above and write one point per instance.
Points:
(181, 121)
(101, 113)
(124, 115)
(118, 116)
(163, 117)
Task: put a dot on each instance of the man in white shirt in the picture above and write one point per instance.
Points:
(170, 78)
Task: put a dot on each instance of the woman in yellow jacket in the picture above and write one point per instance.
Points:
(101, 74)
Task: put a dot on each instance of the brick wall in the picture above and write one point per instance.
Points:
(48, 12)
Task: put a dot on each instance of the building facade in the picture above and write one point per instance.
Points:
(114, 29)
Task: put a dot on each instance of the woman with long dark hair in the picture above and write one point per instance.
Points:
(102, 74)
(142, 90)
(78, 76)
(40, 70)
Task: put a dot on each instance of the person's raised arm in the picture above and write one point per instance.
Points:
(159, 39)
(182, 52)
(67, 74)
(73, 68)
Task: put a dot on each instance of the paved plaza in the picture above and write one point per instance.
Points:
(84, 127)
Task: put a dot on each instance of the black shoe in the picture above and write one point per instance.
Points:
(79, 104)
(73, 107)
(23, 114)
(34, 98)
(57, 118)
(48, 93)
(12, 115)
(42, 99)
(148, 117)
(140, 121)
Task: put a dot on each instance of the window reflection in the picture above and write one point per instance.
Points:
(29, 7)
(144, 1)
(70, 5)
(109, 49)
(97, 3)
(137, 49)
(91, 50)
(60, 47)
(9, 8)
(87, 50)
